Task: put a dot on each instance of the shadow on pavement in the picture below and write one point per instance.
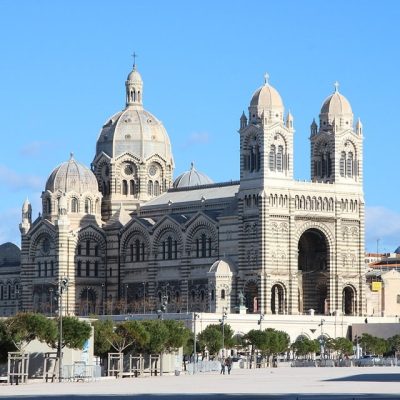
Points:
(368, 378)
(218, 396)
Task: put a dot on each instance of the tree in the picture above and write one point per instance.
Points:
(158, 336)
(6, 342)
(394, 345)
(211, 338)
(128, 334)
(75, 332)
(25, 327)
(103, 330)
(178, 335)
(304, 346)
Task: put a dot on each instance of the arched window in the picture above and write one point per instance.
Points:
(45, 268)
(202, 295)
(87, 268)
(74, 205)
(169, 241)
(48, 206)
(272, 158)
(279, 159)
(39, 269)
(137, 250)
(88, 206)
(342, 164)
(51, 268)
(349, 165)
(223, 294)
(203, 245)
(193, 293)
(132, 187)
(88, 247)
(96, 250)
(96, 268)
(124, 187)
(150, 188)
(131, 251)
(156, 188)
(79, 250)
(79, 268)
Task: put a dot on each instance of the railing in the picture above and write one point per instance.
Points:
(203, 366)
(81, 372)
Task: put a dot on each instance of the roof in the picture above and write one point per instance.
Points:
(217, 191)
(192, 178)
(10, 254)
(72, 176)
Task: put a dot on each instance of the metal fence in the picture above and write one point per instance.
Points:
(203, 366)
(81, 372)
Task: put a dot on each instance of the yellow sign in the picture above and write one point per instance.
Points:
(376, 286)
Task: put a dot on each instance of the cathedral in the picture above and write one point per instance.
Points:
(132, 239)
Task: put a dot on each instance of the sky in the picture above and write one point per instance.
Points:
(64, 64)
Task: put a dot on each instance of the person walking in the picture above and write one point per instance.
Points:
(228, 363)
(222, 360)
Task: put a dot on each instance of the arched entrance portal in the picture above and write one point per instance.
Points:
(349, 300)
(313, 272)
(251, 297)
(278, 299)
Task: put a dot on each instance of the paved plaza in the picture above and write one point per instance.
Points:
(278, 383)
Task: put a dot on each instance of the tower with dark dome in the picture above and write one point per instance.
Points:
(133, 161)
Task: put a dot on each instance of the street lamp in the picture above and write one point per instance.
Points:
(195, 316)
(16, 300)
(260, 320)
(62, 287)
(126, 298)
(87, 301)
(51, 302)
(144, 297)
(321, 341)
(102, 297)
(222, 321)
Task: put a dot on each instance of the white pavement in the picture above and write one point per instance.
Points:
(377, 382)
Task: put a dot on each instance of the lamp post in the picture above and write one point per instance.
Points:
(260, 320)
(16, 300)
(102, 297)
(321, 341)
(87, 301)
(51, 302)
(144, 297)
(62, 287)
(126, 298)
(222, 321)
(195, 316)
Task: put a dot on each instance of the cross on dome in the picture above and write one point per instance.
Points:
(266, 78)
(336, 84)
(134, 55)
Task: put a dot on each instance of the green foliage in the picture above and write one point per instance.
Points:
(6, 343)
(103, 330)
(268, 341)
(158, 336)
(373, 345)
(25, 327)
(178, 335)
(340, 345)
(75, 332)
(304, 346)
(212, 338)
(394, 344)
(128, 334)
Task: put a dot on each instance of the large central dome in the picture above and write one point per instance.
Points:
(134, 130)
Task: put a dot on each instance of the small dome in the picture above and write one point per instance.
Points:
(134, 76)
(336, 104)
(72, 176)
(222, 267)
(192, 178)
(10, 254)
(267, 97)
(397, 251)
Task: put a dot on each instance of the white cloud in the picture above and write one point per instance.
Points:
(16, 181)
(196, 138)
(383, 224)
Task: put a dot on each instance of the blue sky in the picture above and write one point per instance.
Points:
(64, 64)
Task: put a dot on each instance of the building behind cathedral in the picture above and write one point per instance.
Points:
(128, 236)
